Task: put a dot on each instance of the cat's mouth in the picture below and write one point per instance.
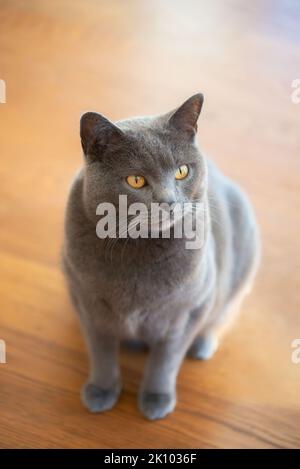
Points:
(168, 220)
(162, 221)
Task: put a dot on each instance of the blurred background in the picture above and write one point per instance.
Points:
(122, 58)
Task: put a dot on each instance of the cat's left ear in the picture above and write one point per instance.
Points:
(185, 117)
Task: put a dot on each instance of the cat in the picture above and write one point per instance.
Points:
(176, 300)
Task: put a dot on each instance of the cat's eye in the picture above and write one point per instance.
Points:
(137, 182)
(182, 172)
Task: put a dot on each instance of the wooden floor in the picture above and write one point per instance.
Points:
(60, 58)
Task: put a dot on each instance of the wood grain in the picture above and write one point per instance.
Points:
(60, 58)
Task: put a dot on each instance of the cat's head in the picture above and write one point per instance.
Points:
(149, 159)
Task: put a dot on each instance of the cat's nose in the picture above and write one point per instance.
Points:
(166, 197)
(169, 205)
(167, 201)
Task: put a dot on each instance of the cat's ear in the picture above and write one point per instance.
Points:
(96, 133)
(185, 117)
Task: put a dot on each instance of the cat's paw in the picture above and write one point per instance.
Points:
(156, 405)
(204, 347)
(97, 399)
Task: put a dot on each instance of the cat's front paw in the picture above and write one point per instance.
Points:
(97, 399)
(156, 405)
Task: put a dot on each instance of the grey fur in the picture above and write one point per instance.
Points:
(153, 290)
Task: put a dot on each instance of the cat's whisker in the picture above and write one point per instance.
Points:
(128, 227)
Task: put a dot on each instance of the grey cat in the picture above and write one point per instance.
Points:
(175, 300)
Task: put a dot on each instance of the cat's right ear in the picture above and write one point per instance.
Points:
(184, 119)
(96, 133)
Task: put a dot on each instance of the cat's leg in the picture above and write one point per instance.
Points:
(207, 341)
(135, 345)
(103, 388)
(157, 396)
(204, 346)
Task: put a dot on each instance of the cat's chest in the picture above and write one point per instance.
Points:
(138, 293)
(149, 325)
(142, 323)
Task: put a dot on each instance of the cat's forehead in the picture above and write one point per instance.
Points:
(139, 123)
(152, 141)
(146, 131)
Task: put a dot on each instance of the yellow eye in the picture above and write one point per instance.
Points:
(182, 172)
(137, 182)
